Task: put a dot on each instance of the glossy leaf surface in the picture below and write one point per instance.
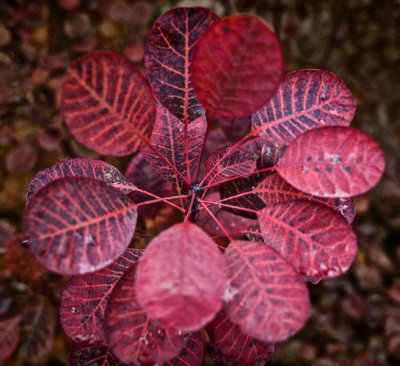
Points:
(306, 99)
(317, 241)
(231, 347)
(78, 225)
(132, 336)
(173, 284)
(168, 54)
(274, 189)
(91, 356)
(193, 352)
(265, 296)
(107, 104)
(236, 67)
(85, 298)
(80, 167)
(333, 162)
(9, 337)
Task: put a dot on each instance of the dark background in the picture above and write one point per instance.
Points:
(355, 319)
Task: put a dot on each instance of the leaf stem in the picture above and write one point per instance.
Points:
(160, 199)
(203, 203)
(229, 206)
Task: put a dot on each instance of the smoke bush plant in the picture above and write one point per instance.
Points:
(262, 216)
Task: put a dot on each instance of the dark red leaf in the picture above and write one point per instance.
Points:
(80, 167)
(85, 298)
(265, 296)
(305, 99)
(77, 225)
(193, 352)
(231, 347)
(333, 162)
(253, 233)
(173, 284)
(91, 356)
(235, 128)
(168, 55)
(9, 337)
(237, 65)
(132, 336)
(274, 189)
(176, 155)
(316, 240)
(107, 104)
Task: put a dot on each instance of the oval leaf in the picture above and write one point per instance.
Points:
(80, 355)
(131, 335)
(167, 58)
(85, 298)
(265, 295)
(78, 225)
(237, 65)
(183, 293)
(333, 162)
(274, 189)
(193, 352)
(305, 99)
(317, 241)
(9, 337)
(107, 104)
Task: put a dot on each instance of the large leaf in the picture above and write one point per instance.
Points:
(177, 146)
(275, 189)
(231, 347)
(132, 336)
(305, 99)
(235, 128)
(333, 162)
(80, 355)
(107, 104)
(77, 225)
(193, 352)
(85, 298)
(80, 167)
(9, 337)
(173, 283)
(265, 295)
(167, 58)
(317, 241)
(236, 67)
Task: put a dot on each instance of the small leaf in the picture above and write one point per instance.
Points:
(305, 99)
(236, 67)
(167, 58)
(316, 240)
(192, 354)
(131, 335)
(275, 189)
(173, 284)
(77, 225)
(80, 167)
(265, 296)
(333, 162)
(231, 347)
(9, 337)
(107, 104)
(91, 356)
(85, 298)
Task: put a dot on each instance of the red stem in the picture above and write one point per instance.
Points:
(230, 206)
(215, 219)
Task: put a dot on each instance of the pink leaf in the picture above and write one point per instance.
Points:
(91, 356)
(236, 67)
(265, 296)
(333, 162)
(9, 337)
(306, 99)
(169, 48)
(78, 225)
(85, 298)
(316, 240)
(192, 354)
(182, 293)
(107, 104)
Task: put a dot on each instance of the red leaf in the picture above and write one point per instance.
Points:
(132, 336)
(192, 354)
(236, 67)
(80, 167)
(107, 104)
(168, 55)
(316, 240)
(183, 293)
(176, 155)
(231, 347)
(265, 296)
(78, 225)
(306, 99)
(9, 337)
(333, 162)
(235, 128)
(275, 189)
(91, 356)
(85, 298)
